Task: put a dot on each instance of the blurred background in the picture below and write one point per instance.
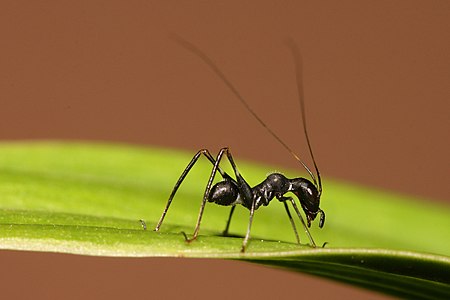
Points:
(376, 81)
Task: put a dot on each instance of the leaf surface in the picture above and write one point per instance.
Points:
(88, 199)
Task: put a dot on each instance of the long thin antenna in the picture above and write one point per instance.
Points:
(299, 76)
(191, 47)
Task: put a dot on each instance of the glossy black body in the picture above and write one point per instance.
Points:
(276, 185)
(234, 191)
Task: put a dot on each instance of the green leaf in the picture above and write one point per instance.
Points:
(88, 199)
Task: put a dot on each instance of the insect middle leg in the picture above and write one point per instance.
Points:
(246, 193)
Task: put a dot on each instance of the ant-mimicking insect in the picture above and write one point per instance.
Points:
(231, 192)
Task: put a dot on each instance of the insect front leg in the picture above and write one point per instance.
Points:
(283, 199)
(313, 244)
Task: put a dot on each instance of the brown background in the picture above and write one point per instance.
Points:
(376, 85)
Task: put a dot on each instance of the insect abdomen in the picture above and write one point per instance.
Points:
(224, 193)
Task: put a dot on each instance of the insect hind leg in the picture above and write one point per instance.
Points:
(227, 227)
(208, 155)
(215, 169)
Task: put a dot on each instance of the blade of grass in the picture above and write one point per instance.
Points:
(88, 199)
